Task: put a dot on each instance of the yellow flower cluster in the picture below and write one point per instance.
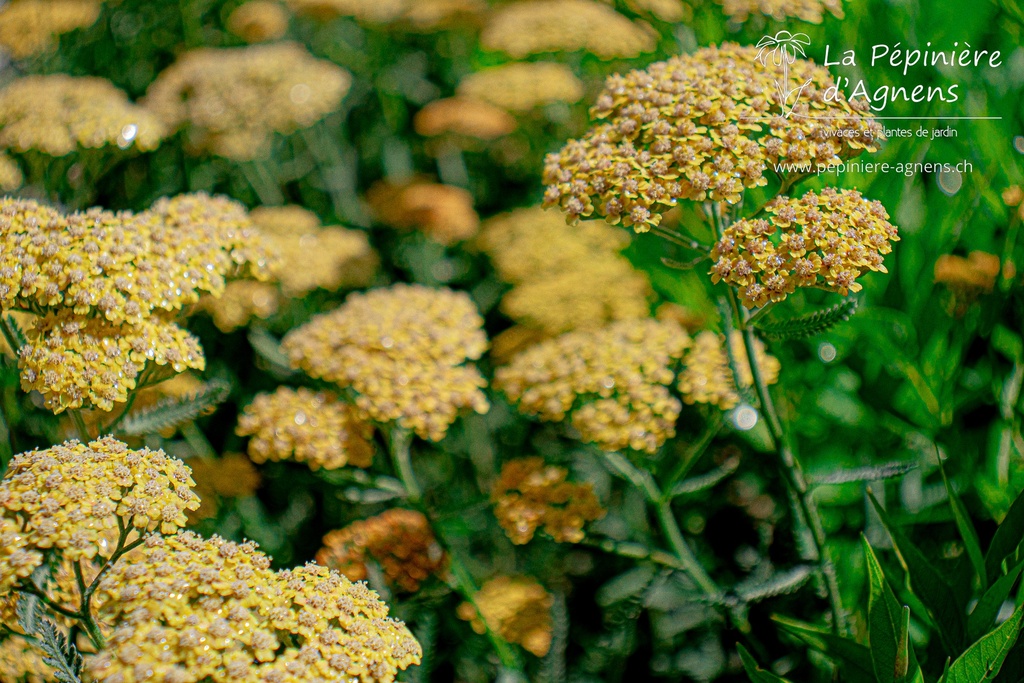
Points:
(525, 28)
(234, 99)
(522, 86)
(465, 117)
(613, 383)
(529, 495)
(230, 476)
(59, 114)
(258, 20)
(11, 177)
(300, 425)
(29, 27)
(190, 609)
(402, 350)
(399, 540)
(700, 126)
(308, 257)
(108, 285)
(706, 376)
(419, 15)
(563, 279)
(824, 240)
(22, 662)
(443, 213)
(671, 11)
(516, 608)
(812, 11)
(977, 272)
(67, 496)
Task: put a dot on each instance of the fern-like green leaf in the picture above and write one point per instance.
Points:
(59, 653)
(784, 582)
(171, 412)
(807, 325)
(707, 480)
(888, 470)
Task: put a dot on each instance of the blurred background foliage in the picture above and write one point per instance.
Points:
(931, 365)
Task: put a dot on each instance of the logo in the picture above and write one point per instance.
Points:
(782, 50)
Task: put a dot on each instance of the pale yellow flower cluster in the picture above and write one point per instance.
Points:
(417, 15)
(402, 350)
(190, 609)
(700, 126)
(308, 257)
(530, 495)
(671, 11)
(259, 20)
(516, 608)
(11, 177)
(300, 425)
(400, 541)
(443, 213)
(707, 377)
(59, 114)
(824, 240)
(22, 662)
(975, 272)
(108, 286)
(463, 117)
(612, 383)
(525, 28)
(30, 27)
(563, 279)
(230, 476)
(233, 100)
(522, 86)
(66, 497)
(812, 11)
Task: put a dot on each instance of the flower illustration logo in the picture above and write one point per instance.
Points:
(782, 50)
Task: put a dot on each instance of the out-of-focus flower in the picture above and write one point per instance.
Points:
(521, 86)
(812, 11)
(525, 28)
(443, 213)
(29, 27)
(230, 476)
(671, 11)
(824, 240)
(234, 99)
(976, 272)
(402, 350)
(11, 177)
(563, 279)
(612, 383)
(1013, 196)
(432, 15)
(300, 425)
(700, 126)
(399, 540)
(258, 20)
(529, 495)
(241, 301)
(67, 496)
(706, 376)
(189, 609)
(516, 608)
(465, 117)
(59, 114)
(22, 662)
(371, 11)
(417, 15)
(512, 341)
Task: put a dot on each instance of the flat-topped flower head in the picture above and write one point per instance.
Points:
(68, 496)
(305, 426)
(516, 608)
(234, 99)
(697, 127)
(522, 86)
(189, 609)
(562, 279)
(612, 384)
(444, 213)
(256, 21)
(398, 540)
(530, 495)
(672, 11)
(59, 114)
(825, 240)
(402, 351)
(812, 11)
(520, 29)
(11, 176)
(31, 27)
(463, 117)
(707, 377)
(370, 11)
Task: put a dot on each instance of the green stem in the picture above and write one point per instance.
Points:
(693, 453)
(124, 413)
(399, 444)
(80, 426)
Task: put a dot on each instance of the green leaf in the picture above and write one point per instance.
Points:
(892, 655)
(628, 585)
(810, 324)
(705, 481)
(1006, 540)
(862, 474)
(850, 657)
(982, 661)
(928, 585)
(754, 671)
(985, 612)
(781, 583)
(59, 653)
(268, 348)
(967, 530)
(171, 412)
